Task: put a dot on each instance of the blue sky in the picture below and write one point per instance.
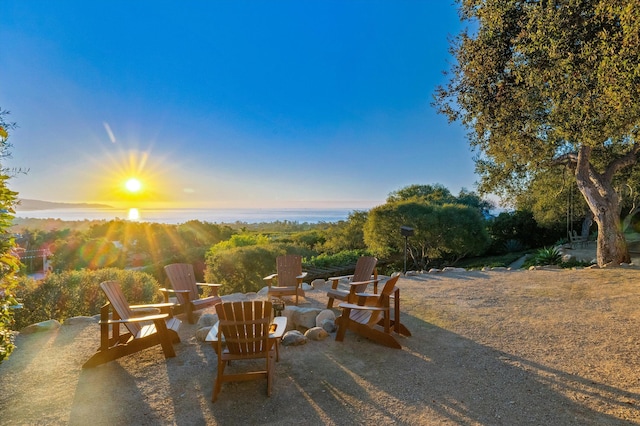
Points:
(229, 103)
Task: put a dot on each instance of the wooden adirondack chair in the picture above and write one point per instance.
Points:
(142, 332)
(185, 288)
(371, 316)
(361, 278)
(248, 334)
(288, 278)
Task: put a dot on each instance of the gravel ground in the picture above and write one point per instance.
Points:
(488, 348)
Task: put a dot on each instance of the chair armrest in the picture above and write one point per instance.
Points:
(270, 277)
(302, 275)
(367, 299)
(212, 336)
(362, 308)
(170, 290)
(136, 319)
(213, 288)
(280, 324)
(153, 305)
(340, 277)
(357, 283)
(335, 280)
(209, 285)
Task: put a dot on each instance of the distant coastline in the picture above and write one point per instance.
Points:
(25, 204)
(176, 216)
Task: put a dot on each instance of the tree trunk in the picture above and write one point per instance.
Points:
(604, 203)
(586, 225)
(612, 247)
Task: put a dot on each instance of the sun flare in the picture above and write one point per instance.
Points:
(133, 185)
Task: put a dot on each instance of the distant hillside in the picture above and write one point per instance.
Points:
(26, 205)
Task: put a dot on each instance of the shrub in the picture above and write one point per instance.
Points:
(73, 293)
(242, 269)
(544, 256)
(511, 246)
(324, 260)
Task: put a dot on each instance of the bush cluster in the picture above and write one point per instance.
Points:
(73, 293)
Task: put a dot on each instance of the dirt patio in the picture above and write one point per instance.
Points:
(488, 348)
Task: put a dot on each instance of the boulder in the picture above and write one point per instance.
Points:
(293, 338)
(329, 325)
(41, 326)
(80, 320)
(452, 269)
(207, 320)
(316, 333)
(201, 333)
(318, 283)
(301, 317)
(324, 315)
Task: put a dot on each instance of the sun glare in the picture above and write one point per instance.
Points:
(134, 215)
(133, 185)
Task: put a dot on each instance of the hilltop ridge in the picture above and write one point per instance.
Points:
(25, 204)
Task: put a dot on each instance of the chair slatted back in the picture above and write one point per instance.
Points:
(245, 326)
(120, 306)
(365, 267)
(289, 267)
(182, 277)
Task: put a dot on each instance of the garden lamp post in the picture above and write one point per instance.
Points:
(406, 232)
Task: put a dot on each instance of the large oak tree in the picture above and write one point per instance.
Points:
(539, 83)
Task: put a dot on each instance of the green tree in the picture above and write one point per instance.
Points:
(539, 83)
(439, 194)
(346, 234)
(450, 231)
(9, 263)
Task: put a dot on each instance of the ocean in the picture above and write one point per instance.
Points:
(176, 216)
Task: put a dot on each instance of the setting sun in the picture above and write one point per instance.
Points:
(133, 185)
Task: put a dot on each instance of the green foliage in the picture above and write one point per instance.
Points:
(436, 194)
(240, 240)
(519, 227)
(325, 260)
(548, 256)
(449, 231)
(76, 252)
(503, 260)
(543, 84)
(311, 239)
(511, 246)
(242, 269)
(73, 293)
(439, 194)
(346, 235)
(9, 263)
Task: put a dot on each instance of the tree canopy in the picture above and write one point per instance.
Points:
(540, 84)
(448, 231)
(9, 263)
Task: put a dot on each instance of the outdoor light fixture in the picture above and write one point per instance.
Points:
(406, 232)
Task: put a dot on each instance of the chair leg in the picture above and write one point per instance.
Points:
(342, 322)
(190, 314)
(269, 372)
(217, 384)
(165, 339)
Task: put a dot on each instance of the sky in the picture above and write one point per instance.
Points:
(229, 104)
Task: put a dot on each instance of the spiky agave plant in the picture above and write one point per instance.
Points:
(548, 256)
